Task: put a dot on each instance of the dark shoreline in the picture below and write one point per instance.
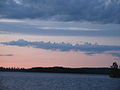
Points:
(59, 70)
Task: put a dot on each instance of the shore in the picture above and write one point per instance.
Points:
(59, 70)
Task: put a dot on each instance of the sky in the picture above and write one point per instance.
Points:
(68, 33)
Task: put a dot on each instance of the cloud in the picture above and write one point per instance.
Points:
(103, 11)
(9, 20)
(88, 48)
(66, 28)
(18, 2)
(116, 54)
(6, 55)
(60, 29)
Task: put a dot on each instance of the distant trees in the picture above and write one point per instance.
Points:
(11, 69)
(59, 70)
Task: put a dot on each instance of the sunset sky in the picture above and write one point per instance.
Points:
(69, 33)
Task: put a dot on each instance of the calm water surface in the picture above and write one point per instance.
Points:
(49, 81)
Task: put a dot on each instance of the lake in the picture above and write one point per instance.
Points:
(53, 81)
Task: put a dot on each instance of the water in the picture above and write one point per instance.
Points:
(51, 81)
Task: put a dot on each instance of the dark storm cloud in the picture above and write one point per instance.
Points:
(103, 11)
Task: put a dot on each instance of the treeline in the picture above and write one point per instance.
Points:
(59, 70)
(11, 69)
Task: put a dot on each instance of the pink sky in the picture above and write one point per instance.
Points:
(31, 57)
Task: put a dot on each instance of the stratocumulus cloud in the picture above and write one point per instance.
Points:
(88, 48)
(104, 11)
(6, 55)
